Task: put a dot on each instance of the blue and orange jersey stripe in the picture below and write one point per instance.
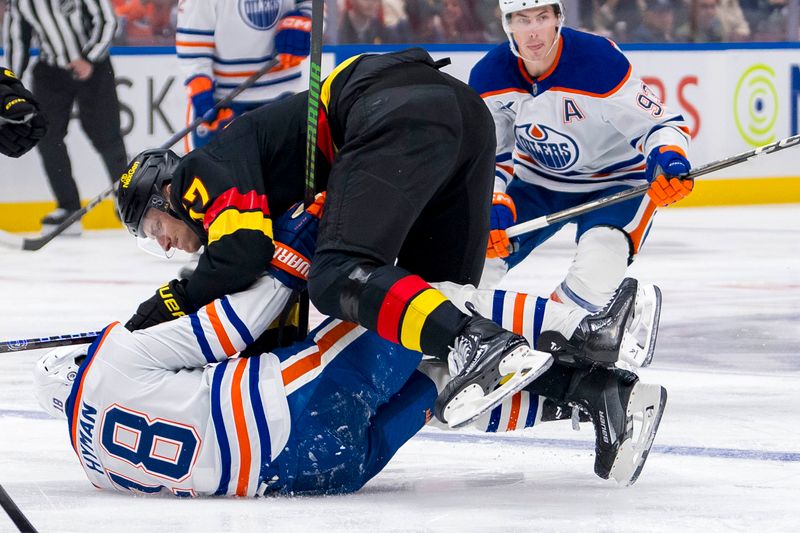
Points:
(74, 401)
(240, 425)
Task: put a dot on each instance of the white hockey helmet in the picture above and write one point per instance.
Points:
(54, 375)
(508, 7)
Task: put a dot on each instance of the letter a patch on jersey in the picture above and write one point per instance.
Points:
(572, 111)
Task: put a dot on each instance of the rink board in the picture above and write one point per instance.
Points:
(734, 97)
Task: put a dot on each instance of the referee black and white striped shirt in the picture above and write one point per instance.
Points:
(66, 30)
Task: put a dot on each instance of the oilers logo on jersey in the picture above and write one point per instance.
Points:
(260, 14)
(549, 148)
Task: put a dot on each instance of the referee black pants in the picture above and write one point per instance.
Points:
(98, 112)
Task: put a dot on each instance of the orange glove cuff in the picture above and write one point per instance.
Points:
(501, 198)
(198, 84)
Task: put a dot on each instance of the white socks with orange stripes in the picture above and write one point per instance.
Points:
(517, 312)
(597, 269)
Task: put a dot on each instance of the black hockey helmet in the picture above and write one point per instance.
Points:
(141, 186)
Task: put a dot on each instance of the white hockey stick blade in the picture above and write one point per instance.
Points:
(9, 240)
(521, 367)
(644, 411)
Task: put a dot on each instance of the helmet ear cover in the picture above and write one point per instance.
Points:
(141, 187)
(54, 375)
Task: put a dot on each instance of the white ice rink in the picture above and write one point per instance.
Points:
(727, 457)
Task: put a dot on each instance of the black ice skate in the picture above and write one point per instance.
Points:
(54, 218)
(639, 340)
(598, 337)
(488, 364)
(625, 414)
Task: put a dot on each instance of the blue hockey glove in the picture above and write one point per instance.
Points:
(200, 90)
(665, 166)
(295, 238)
(504, 214)
(293, 38)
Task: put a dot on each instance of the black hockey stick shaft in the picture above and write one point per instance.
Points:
(33, 244)
(547, 220)
(48, 342)
(314, 86)
(14, 513)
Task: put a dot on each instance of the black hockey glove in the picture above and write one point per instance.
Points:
(21, 123)
(169, 302)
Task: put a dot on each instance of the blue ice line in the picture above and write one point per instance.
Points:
(442, 436)
(686, 451)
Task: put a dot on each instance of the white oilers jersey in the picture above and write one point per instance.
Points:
(149, 414)
(229, 40)
(585, 125)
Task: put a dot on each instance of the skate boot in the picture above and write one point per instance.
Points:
(639, 340)
(54, 218)
(598, 337)
(625, 414)
(553, 411)
(488, 364)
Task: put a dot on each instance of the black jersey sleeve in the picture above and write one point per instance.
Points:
(221, 194)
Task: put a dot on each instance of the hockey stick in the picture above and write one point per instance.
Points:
(33, 244)
(48, 342)
(547, 220)
(314, 82)
(14, 513)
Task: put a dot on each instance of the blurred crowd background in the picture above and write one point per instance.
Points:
(152, 22)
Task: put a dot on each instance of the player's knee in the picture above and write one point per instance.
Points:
(598, 268)
(335, 282)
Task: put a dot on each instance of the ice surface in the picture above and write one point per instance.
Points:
(727, 456)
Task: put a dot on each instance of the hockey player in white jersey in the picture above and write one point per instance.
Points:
(220, 43)
(169, 410)
(574, 124)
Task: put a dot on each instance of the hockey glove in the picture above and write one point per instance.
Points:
(295, 242)
(21, 123)
(169, 302)
(665, 166)
(293, 39)
(200, 90)
(504, 214)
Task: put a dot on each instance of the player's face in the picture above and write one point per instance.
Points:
(534, 31)
(169, 232)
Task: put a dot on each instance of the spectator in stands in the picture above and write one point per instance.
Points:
(771, 24)
(734, 24)
(611, 18)
(658, 23)
(424, 17)
(145, 22)
(460, 22)
(704, 23)
(362, 22)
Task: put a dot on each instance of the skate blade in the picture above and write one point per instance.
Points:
(639, 355)
(519, 367)
(645, 408)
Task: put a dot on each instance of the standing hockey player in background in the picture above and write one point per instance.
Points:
(408, 200)
(22, 125)
(73, 66)
(220, 43)
(573, 124)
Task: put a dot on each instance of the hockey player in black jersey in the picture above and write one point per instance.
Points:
(406, 156)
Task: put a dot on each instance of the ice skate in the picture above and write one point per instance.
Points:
(54, 218)
(625, 414)
(598, 337)
(488, 364)
(639, 340)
